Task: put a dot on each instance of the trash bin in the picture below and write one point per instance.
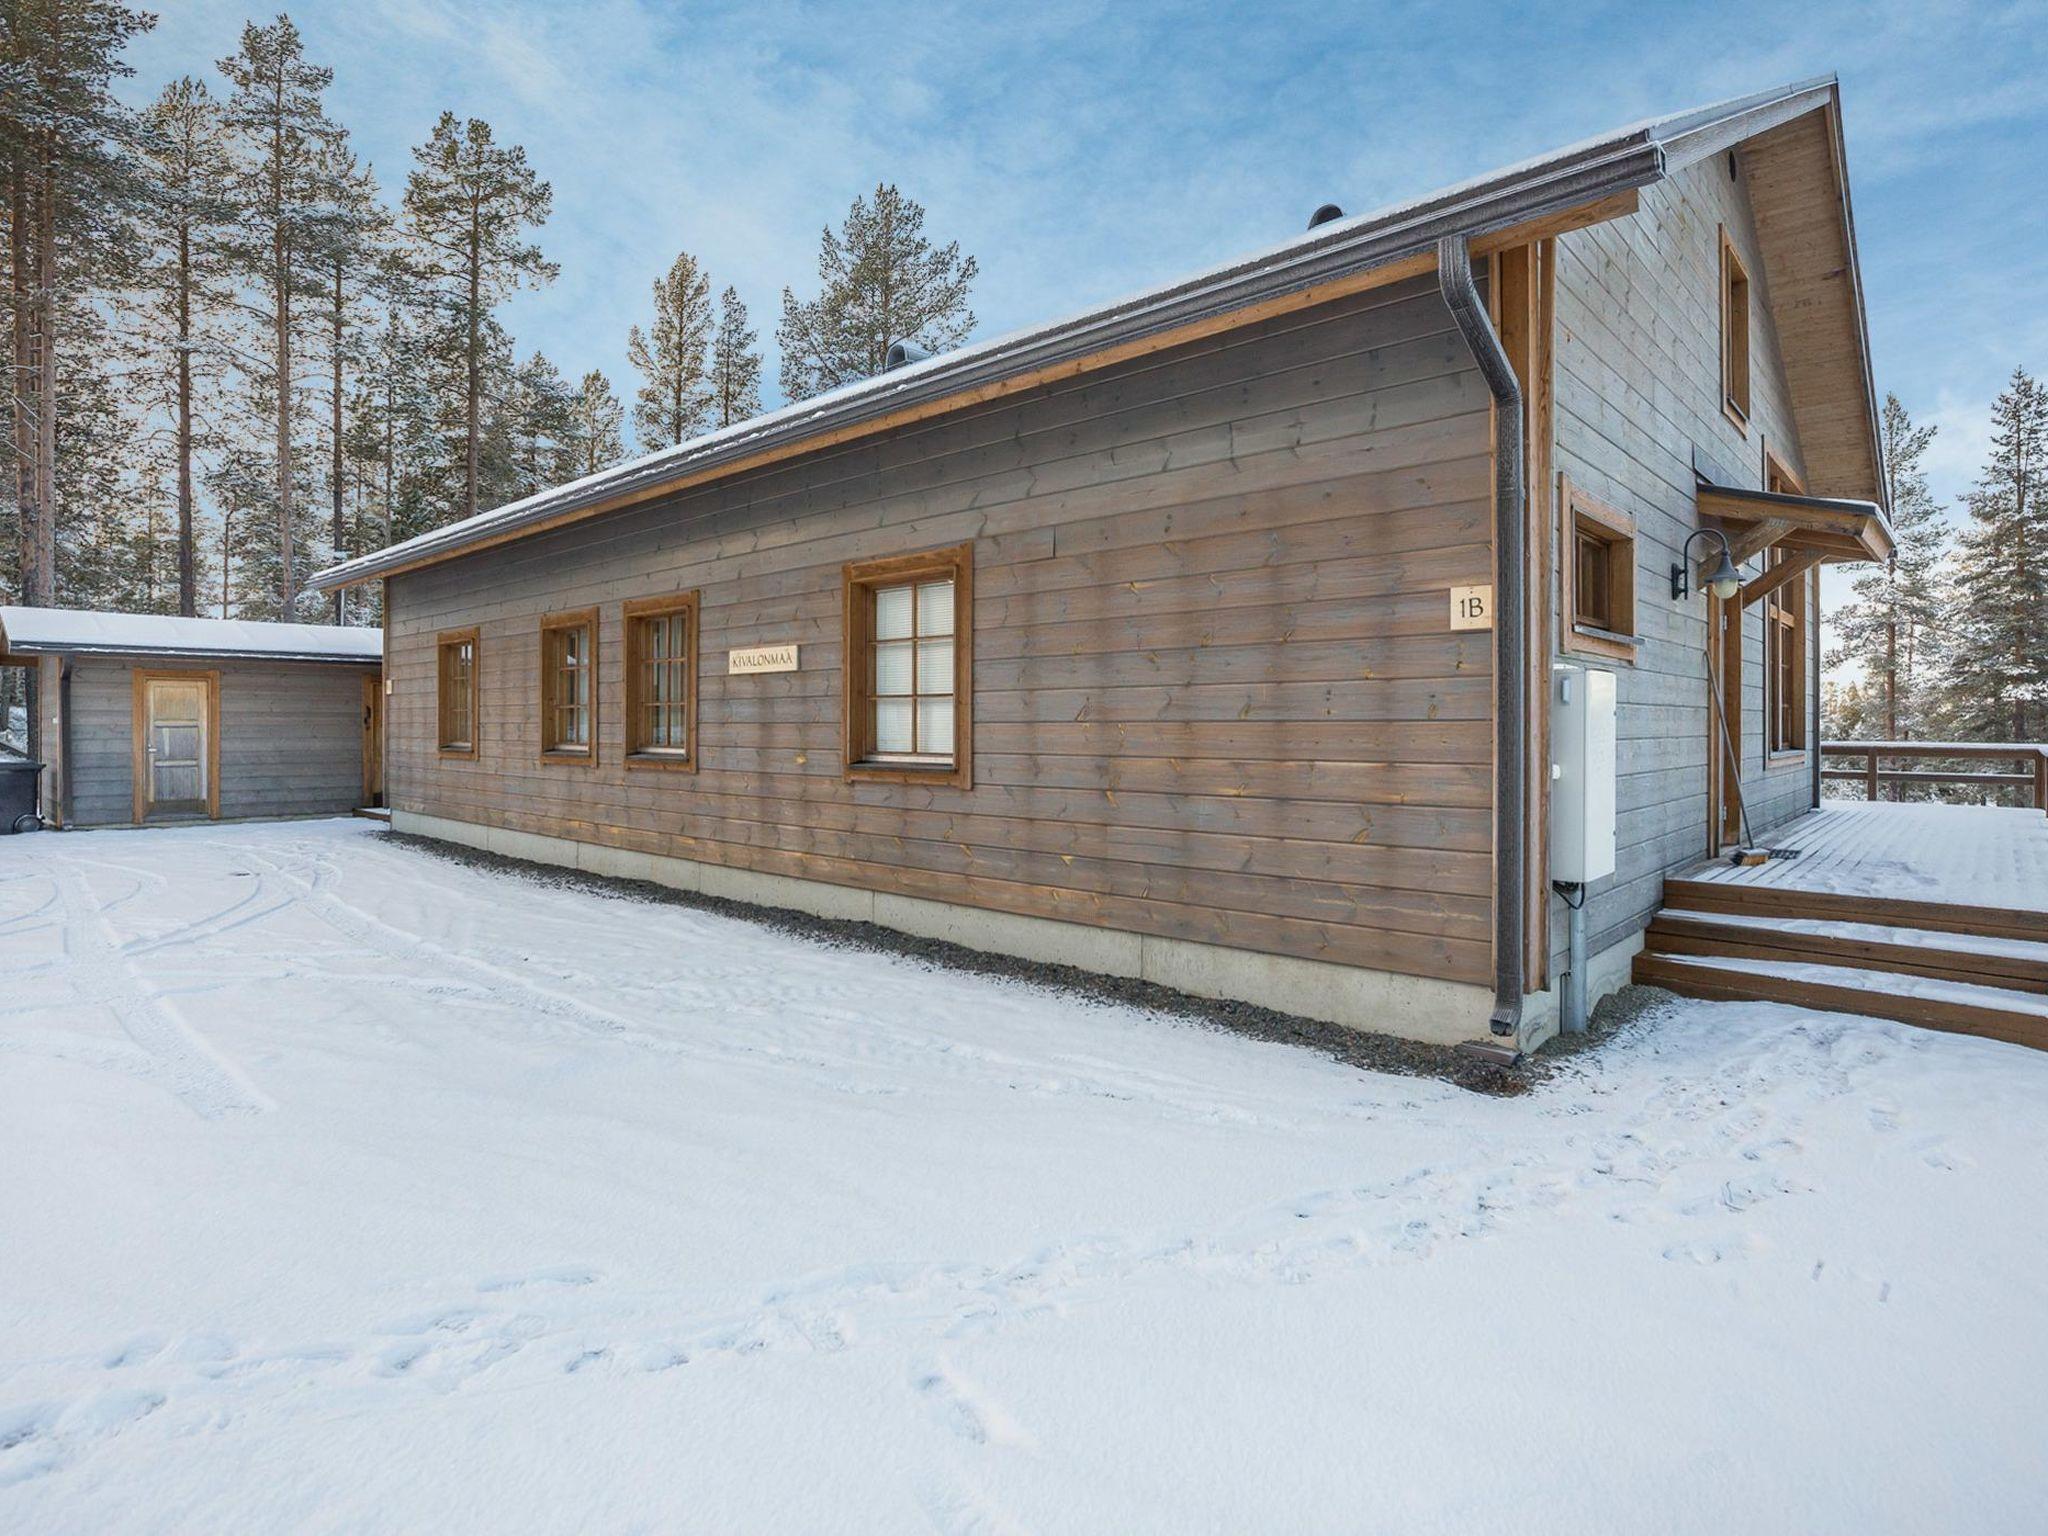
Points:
(18, 777)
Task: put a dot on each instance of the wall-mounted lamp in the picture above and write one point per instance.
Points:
(1724, 581)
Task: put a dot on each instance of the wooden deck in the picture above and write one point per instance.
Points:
(1975, 855)
(1930, 914)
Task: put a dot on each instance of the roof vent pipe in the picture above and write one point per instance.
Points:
(1510, 669)
(1324, 214)
(901, 352)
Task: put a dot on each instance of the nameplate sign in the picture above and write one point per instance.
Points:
(1472, 607)
(760, 658)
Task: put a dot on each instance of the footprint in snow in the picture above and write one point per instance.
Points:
(563, 1276)
(139, 1350)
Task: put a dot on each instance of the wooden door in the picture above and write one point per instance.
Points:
(373, 741)
(177, 776)
(176, 738)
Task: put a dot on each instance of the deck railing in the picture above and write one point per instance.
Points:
(2029, 762)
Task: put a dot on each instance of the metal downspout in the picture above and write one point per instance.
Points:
(1510, 670)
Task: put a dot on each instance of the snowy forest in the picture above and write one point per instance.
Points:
(236, 355)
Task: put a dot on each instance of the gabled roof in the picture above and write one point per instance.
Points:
(1596, 178)
(82, 632)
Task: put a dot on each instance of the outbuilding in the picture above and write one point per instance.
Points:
(1226, 635)
(144, 718)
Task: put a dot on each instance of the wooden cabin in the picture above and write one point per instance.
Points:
(1209, 636)
(143, 718)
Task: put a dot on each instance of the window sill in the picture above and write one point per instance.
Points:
(1587, 640)
(953, 774)
(672, 762)
(1788, 758)
(574, 758)
(1737, 415)
(459, 754)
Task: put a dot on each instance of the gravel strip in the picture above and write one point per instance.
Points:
(1358, 1048)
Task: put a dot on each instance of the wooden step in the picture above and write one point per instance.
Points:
(1985, 1018)
(1688, 933)
(1785, 901)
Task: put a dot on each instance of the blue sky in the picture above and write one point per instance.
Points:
(1081, 151)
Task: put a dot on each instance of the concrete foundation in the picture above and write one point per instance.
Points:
(1414, 1007)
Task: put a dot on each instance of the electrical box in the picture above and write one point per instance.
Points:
(1582, 771)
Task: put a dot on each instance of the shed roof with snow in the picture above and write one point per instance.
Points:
(85, 632)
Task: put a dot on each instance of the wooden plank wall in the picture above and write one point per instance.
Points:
(1216, 692)
(291, 739)
(1638, 385)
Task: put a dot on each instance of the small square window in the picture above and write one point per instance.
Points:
(1598, 577)
(568, 687)
(455, 689)
(1735, 322)
(908, 635)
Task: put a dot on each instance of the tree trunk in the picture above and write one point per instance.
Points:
(46, 369)
(188, 575)
(471, 457)
(281, 342)
(1891, 680)
(21, 395)
(340, 520)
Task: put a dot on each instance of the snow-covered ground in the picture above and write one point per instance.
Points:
(351, 1189)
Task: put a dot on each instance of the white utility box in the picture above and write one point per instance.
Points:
(1582, 770)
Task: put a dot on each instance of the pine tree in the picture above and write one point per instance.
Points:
(1998, 613)
(67, 188)
(544, 426)
(349, 279)
(598, 417)
(1888, 631)
(881, 282)
(735, 365)
(188, 160)
(468, 204)
(674, 361)
(287, 203)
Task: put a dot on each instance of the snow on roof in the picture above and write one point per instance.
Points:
(1630, 157)
(74, 631)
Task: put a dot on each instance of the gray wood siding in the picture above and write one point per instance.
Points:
(290, 739)
(102, 744)
(1216, 694)
(1638, 378)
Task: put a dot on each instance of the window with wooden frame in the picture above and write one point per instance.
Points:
(909, 667)
(1735, 320)
(1786, 614)
(1785, 662)
(568, 687)
(1598, 582)
(456, 693)
(661, 682)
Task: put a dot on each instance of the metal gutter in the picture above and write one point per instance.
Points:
(1510, 667)
(68, 649)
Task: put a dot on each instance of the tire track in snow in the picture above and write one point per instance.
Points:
(183, 1062)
